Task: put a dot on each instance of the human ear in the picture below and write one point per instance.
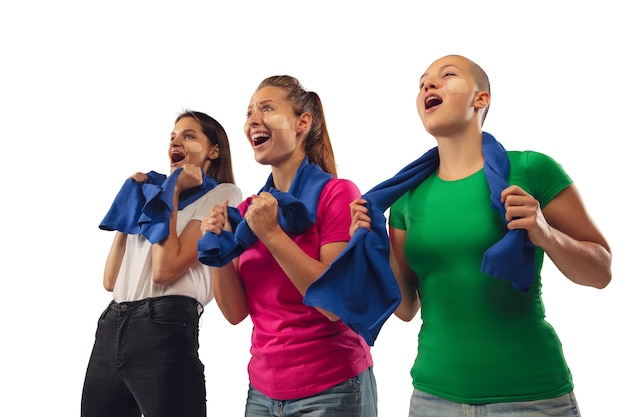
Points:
(304, 122)
(214, 152)
(482, 99)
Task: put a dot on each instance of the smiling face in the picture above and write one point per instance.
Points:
(189, 145)
(272, 127)
(449, 99)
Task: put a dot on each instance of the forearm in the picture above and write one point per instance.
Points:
(166, 252)
(230, 293)
(565, 231)
(301, 268)
(114, 260)
(175, 254)
(407, 283)
(583, 262)
(406, 278)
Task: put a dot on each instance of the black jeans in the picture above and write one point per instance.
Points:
(145, 361)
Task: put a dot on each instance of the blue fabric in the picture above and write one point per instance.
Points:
(356, 396)
(359, 285)
(145, 208)
(297, 210)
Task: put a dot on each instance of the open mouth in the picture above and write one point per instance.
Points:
(432, 101)
(176, 157)
(259, 138)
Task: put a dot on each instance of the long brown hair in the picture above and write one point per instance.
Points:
(317, 144)
(221, 168)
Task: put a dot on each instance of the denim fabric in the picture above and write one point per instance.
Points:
(426, 405)
(355, 397)
(145, 360)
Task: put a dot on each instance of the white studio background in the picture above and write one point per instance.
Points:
(89, 92)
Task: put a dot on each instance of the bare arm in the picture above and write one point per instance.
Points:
(114, 260)
(565, 231)
(175, 254)
(228, 288)
(407, 279)
(118, 248)
(230, 293)
(302, 269)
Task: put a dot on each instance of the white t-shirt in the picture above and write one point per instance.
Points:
(134, 281)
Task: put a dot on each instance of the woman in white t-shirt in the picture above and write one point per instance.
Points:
(145, 356)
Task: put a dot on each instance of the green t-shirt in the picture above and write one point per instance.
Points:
(481, 341)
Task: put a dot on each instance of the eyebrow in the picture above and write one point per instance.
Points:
(440, 69)
(260, 103)
(184, 131)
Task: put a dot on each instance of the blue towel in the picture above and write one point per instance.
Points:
(145, 208)
(297, 210)
(359, 285)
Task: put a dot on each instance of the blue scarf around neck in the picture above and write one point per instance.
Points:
(297, 210)
(359, 285)
(145, 208)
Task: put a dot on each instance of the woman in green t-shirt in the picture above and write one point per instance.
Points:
(484, 346)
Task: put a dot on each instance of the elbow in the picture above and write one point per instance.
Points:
(604, 281)
(162, 277)
(108, 283)
(234, 313)
(405, 316)
(329, 314)
(606, 276)
(406, 312)
(235, 318)
(159, 279)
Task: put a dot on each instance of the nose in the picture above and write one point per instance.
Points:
(429, 84)
(253, 118)
(176, 140)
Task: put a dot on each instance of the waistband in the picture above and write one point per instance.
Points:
(164, 301)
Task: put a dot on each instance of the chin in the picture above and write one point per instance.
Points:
(261, 160)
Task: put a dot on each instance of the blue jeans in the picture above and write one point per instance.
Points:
(426, 405)
(355, 397)
(145, 360)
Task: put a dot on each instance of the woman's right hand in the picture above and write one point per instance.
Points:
(217, 219)
(140, 177)
(358, 212)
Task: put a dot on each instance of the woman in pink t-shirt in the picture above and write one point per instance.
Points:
(305, 361)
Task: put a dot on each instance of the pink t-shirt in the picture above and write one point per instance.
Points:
(296, 351)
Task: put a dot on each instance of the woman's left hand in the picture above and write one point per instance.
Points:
(191, 176)
(262, 214)
(523, 211)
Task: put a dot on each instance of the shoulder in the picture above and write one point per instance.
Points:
(535, 164)
(340, 188)
(227, 187)
(217, 194)
(538, 173)
(225, 191)
(338, 193)
(531, 160)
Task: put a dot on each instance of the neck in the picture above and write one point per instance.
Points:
(460, 155)
(284, 174)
